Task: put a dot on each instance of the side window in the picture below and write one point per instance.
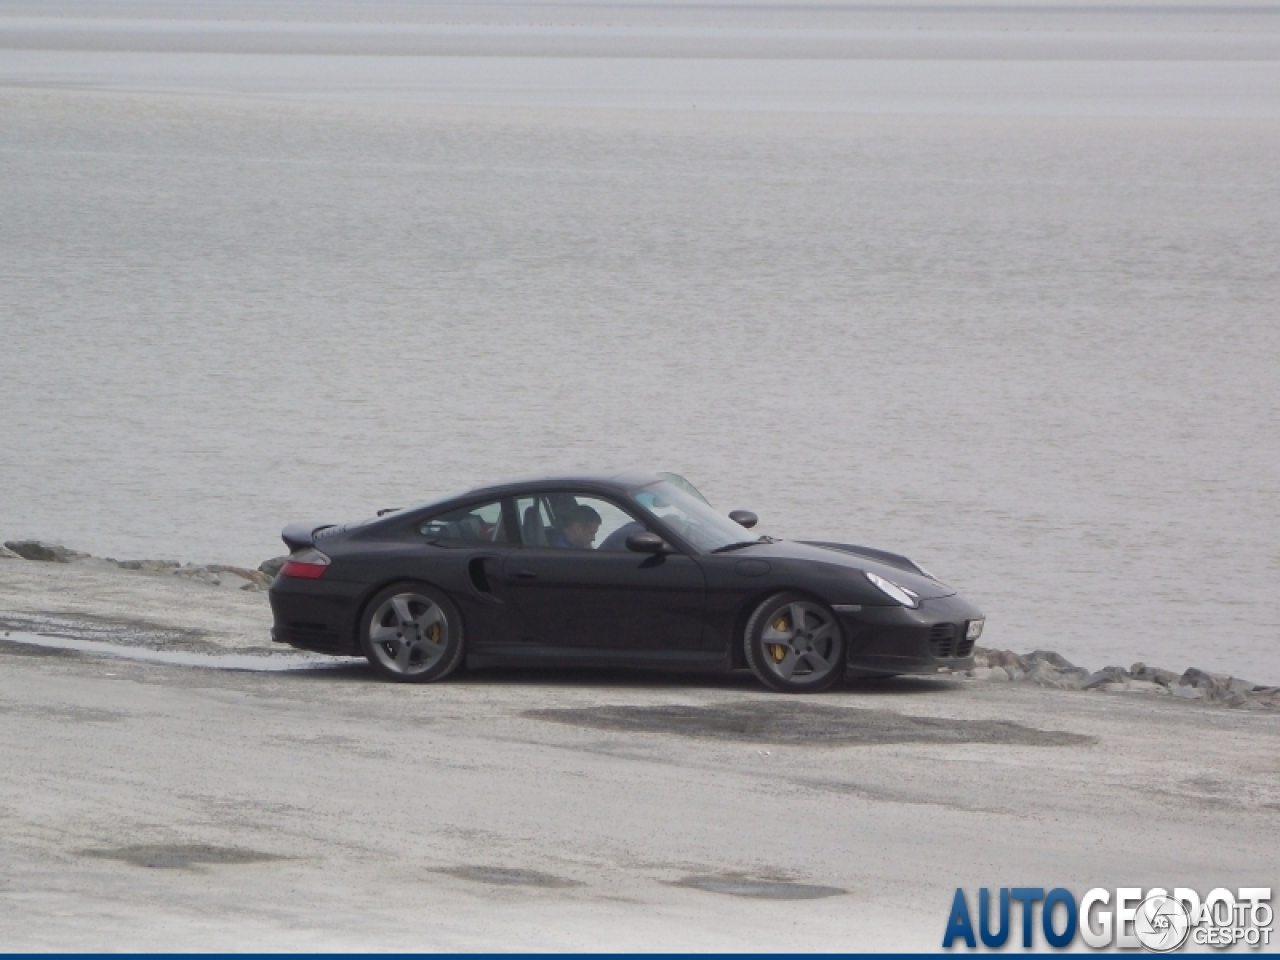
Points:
(479, 523)
(574, 521)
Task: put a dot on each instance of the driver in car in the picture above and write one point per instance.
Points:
(578, 529)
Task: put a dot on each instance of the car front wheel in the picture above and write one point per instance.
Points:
(794, 644)
(412, 633)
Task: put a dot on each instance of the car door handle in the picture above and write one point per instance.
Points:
(526, 575)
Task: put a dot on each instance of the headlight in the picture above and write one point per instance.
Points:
(908, 598)
(975, 629)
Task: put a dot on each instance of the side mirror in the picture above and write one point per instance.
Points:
(646, 542)
(744, 518)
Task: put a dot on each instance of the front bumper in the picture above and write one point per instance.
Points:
(892, 640)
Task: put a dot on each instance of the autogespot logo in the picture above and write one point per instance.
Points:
(1161, 923)
(1155, 920)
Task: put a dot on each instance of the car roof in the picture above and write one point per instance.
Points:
(617, 481)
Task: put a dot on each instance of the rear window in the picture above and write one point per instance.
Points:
(478, 523)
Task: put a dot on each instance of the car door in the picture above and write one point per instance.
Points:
(601, 596)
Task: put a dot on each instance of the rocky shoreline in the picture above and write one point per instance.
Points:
(1043, 668)
(211, 574)
(1049, 669)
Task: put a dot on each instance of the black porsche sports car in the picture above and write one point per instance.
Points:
(623, 570)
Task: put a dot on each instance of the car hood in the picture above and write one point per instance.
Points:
(888, 565)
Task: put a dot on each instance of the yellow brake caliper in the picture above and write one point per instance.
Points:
(777, 650)
(433, 633)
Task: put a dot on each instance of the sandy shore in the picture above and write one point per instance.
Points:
(153, 805)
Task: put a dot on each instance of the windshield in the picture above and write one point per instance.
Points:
(691, 518)
(684, 485)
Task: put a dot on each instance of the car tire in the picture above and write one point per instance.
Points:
(412, 633)
(791, 659)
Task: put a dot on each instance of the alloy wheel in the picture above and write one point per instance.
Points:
(801, 643)
(408, 633)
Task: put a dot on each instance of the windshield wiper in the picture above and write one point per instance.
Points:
(743, 543)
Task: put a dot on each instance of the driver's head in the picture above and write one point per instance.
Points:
(580, 527)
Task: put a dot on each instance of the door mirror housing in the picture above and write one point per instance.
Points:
(744, 518)
(646, 542)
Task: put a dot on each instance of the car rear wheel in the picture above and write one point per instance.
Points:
(412, 633)
(794, 644)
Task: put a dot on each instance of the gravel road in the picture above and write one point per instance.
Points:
(192, 806)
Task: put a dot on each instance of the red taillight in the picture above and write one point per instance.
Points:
(307, 564)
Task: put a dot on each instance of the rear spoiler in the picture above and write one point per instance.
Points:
(299, 536)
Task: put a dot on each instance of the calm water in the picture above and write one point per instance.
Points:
(1035, 349)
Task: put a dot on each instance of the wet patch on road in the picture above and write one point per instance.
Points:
(59, 644)
(13, 646)
(508, 876)
(736, 885)
(784, 722)
(178, 856)
(118, 631)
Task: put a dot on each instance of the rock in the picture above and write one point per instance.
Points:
(240, 578)
(223, 575)
(200, 574)
(1146, 686)
(1050, 657)
(1046, 674)
(7, 554)
(1105, 677)
(256, 577)
(44, 552)
(100, 563)
(1165, 678)
(1217, 688)
(150, 566)
(1200, 678)
(272, 567)
(1210, 684)
(1014, 665)
(1050, 669)
(1266, 697)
